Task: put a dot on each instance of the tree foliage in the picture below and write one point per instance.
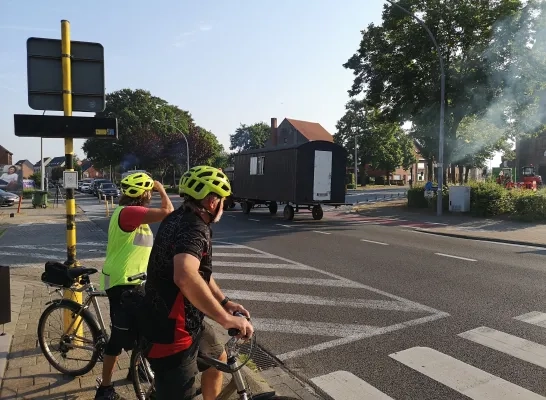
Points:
(249, 137)
(152, 135)
(381, 144)
(492, 72)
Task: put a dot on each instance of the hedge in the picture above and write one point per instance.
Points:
(490, 199)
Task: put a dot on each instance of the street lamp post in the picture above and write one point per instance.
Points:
(442, 108)
(185, 139)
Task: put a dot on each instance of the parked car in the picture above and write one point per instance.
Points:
(95, 185)
(7, 198)
(85, 187)
(108, 189)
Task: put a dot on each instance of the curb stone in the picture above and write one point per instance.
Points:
(486, 239)
(5, 345)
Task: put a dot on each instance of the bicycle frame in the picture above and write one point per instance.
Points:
(91, 298)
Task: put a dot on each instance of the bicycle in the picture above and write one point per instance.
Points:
(232, 366)
(61, 277)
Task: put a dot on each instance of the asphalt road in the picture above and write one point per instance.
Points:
(369, 308)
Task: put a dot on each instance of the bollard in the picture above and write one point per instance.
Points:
(5, 296)
(19, 206)
(106, 203)
(112, 202)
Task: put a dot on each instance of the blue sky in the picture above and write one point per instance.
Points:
(225, 62)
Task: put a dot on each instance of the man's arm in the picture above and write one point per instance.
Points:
(216, 291)
(195, 288)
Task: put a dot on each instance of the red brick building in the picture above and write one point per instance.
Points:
(6, 156)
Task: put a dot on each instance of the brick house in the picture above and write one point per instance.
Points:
(88, 171)
(532, 151)
(26, 167)
(6, 156)
(38, 165)
(292, 132)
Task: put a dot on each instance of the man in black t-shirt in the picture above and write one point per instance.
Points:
(180, 290)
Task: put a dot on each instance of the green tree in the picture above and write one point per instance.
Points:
(249, 137)
(491, 71)
(137, 112)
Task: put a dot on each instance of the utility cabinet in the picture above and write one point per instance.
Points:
(459, 198)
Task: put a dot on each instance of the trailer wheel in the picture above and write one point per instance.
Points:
(288, 212)
(246, 206)
(317, 212)
(273, 207)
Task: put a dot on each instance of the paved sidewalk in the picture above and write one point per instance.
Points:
(463, 226)
(29, 240)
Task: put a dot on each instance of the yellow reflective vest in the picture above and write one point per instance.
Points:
(127, 253)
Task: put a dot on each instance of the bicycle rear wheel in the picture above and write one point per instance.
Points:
(83, 351)
(143, 376)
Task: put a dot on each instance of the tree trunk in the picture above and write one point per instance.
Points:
(461, 172)
(430, 171)
(453, 179)
(467, 170)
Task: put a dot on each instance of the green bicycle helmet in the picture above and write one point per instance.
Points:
(135, 185)
(202, 180)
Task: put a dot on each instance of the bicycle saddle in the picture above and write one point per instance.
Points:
(73, 273)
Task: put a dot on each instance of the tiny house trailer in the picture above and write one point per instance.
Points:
(305, 175)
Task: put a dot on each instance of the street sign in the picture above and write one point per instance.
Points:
(45, 78)
(58, 126)
(70, 179)
(429, 194)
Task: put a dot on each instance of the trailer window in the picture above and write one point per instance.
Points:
(257, 165)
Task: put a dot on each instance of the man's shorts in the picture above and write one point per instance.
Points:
(179, 382)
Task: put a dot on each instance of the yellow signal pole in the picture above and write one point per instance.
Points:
(69, 161)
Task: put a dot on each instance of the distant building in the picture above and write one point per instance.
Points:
(26, 167)
(88, 171)
(532, 151)
(6, 156)
(38, 165)
(292, 132)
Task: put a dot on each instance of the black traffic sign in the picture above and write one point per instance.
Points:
(58, 126)
(45, 78)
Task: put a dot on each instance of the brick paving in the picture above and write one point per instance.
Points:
(28, 374)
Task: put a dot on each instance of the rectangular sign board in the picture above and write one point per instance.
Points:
(45, 77)
(58, 126)
(70, 179)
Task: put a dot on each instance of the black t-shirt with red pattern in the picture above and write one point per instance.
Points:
(172, 321)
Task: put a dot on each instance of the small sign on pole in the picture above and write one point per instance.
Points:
(70, 179)
(429, 194)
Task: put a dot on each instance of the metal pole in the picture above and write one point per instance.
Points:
(69, 161)
(356, 164)
(42, 169)
(440, 162)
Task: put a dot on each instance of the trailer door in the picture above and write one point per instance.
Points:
(322, 184)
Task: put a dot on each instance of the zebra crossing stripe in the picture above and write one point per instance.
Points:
(464, 378)
(288, 280)
(342, 385)
(237, 264)
(523, 349)
(244, 255)
(534, 318)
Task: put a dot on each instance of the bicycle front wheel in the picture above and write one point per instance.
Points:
(142, 374)
(68, 349)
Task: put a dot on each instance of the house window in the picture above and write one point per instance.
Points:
(257, 165)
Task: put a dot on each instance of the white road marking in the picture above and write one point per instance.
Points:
(312, 327)
(351, 339)
(257, 265)
(374, 242)
(464, 378)
(320, 301)
(244, 255)
(225, 246)
(342, 385)
(252, 219)
(457, 257)
(523, 349)
(287, 280)
(534, 317)
(337, 281)
(323, 233)
(284, 226)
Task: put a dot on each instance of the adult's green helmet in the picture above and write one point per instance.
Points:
(202, 180)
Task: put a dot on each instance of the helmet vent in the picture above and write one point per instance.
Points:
(206, 173)
(199, 186)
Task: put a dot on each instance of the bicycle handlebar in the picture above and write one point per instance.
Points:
(235, 331)
(136, 277)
